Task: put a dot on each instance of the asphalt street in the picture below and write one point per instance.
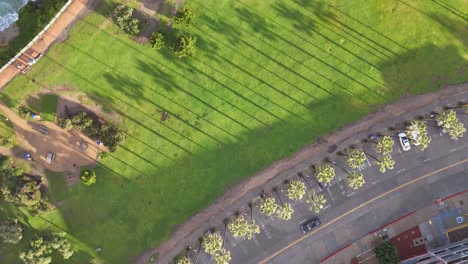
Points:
(418, 179)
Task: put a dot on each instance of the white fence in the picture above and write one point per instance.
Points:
(39, 35)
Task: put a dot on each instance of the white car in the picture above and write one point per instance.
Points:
(404, 141)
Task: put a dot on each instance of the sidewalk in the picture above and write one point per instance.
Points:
(49, 37)
(362, 251)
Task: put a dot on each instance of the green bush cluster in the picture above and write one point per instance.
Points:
(21, 189)
(387, 253)
(108, 134)
(157, 40)
(123, 18)
(185, 45)
(11, 231)
(184, 16)
(88, 176)
(6, 141)
(41, 248)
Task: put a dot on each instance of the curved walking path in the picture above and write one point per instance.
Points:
(62, 24)
(238, 196)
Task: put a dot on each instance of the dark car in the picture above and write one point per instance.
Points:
(309, 225)
(322, 185)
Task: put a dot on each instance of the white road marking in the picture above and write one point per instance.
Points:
(368, 161)
(401, 170)
(375, 182)
(452, 150)
(325, 207)
(399, 149)
(350, 194)
(426, 160)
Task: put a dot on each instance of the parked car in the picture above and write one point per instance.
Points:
(322, 185)
(404, 141)
(309, 225)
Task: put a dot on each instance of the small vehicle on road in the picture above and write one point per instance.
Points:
(310, 224)
(415, 135)
(404, 141)
(322, 185)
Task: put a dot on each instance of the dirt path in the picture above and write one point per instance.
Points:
(191, 229)
(66, 145)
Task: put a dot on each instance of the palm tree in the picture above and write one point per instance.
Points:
(355, 180)
(222, 257)
(417, 132)
(184, 260)
(268, 206)
(457, 131)
(212, 243)
(384, 145)
(356, 158)
(296, 190)
(252, 227)
(284, 211)
(385, 162)
(316, 201)
(324, 173)
(238, 227)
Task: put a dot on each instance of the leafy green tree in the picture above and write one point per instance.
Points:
(268, 206)
(385, 162)
(81, 121)
(296, 190)
(417, 132)
(123, 18)
(40, 249)
(184, 16)
(222, 256)
(7, 142)
(387, 253)
(185, 45)
(11, 231)
(212, 243)
(457, 131)
(325, 173)
(355, 158)
(316, 201)
(355, 180)
(65, 123)
(59, 242)
(88, 177)
(157, 40)
(384, 145)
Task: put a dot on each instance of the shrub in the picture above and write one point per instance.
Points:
(65, 123)
(11, 231)
(387, 253)
(123, 18)
(6, 142)
(88, 176)
(184, 16)
(157, 40)
(81, 121)
(185, 45)
(24, 112)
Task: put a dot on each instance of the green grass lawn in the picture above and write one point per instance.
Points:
(268, 78)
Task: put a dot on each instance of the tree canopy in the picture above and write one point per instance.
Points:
(11, 231)
(325, 173)
(123, 17)
(41, 248)
(268, 206)
(88, 177)
(387, 253)
(184, 16)
(296, 190)
(185, 45)
(356, 158)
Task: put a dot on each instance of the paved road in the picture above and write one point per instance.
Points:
(407, 188)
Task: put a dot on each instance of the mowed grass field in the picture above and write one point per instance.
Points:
(268, 78)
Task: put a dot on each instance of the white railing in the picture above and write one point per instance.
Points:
(39, 35)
